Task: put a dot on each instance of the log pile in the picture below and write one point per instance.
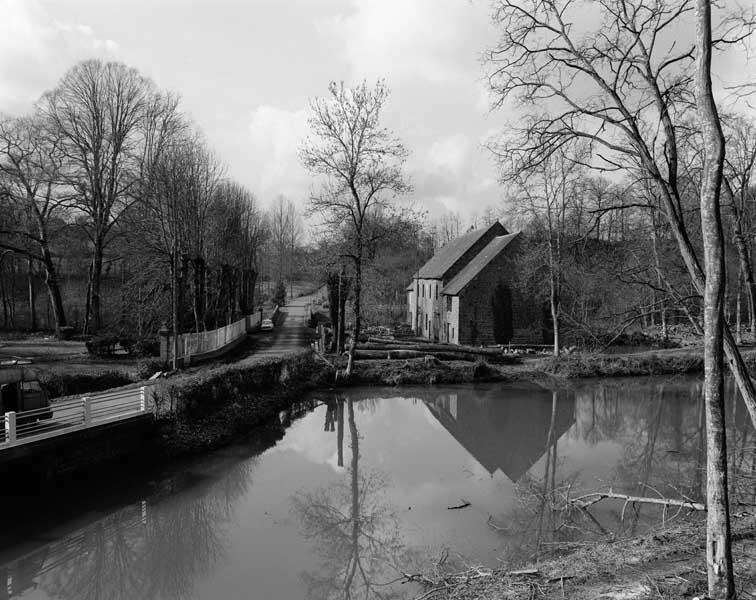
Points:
(375, 349)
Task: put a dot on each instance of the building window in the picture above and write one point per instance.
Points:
(423, 290)
(452, 337)
(448, 303)
(436, 291)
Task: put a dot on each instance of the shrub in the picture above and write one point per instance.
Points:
(147, 368)
(145, 347)
(65, 332)
(102, 345)
(70, 384)
(481, 369)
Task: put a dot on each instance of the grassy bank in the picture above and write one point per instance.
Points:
(573, 366)
(212, 407)
(423, 371)
(668, 564)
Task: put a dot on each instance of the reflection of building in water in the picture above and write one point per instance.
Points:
(504, 429)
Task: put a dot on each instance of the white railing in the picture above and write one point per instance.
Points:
(193, 344)
(208, 341)
(65, 417)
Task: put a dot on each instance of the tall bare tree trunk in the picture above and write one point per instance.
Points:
(718, 549)
(554, 294)
(95, 286)
(32, 294)
(357, 309)
(174, 307)
(739, 308)
(53, 289)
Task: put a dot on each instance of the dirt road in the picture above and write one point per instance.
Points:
(289, 333)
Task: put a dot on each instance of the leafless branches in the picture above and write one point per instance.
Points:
(360, 165)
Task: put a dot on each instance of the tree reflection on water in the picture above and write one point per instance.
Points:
(356, 532)
(658, 431)
(156, 549)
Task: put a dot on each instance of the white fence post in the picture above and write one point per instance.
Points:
(142, 398)
(87, 411)
(10, 426)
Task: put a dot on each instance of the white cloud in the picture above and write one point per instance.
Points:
(451, 154)
(35, 51)
(430, 40)
(275, 137)
(454, 174)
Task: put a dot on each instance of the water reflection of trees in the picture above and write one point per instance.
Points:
(155, 549)
(355, 530)
(658, 431)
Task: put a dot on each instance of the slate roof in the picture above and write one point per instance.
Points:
(445, 258)
(477, 264)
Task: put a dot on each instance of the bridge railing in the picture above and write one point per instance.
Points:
(28, 426)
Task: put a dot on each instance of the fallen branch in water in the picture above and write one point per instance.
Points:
(463, 504)
(590, 499)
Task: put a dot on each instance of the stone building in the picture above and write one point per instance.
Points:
(470, 292)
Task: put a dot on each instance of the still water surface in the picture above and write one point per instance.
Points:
(359, 490)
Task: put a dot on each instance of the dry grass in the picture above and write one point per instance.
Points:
(668, 564)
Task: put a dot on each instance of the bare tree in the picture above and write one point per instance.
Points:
(183, 180)
(739, 164)
(361, 164)
(547, 194)
(30, 192)
(237, 231)
(285, 231)
(96, 110)
(718, 542)
(624, 88)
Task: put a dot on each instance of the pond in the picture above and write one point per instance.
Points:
(373, 484)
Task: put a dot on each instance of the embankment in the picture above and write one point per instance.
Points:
(429, 371)
(662, 362)
(210, 408)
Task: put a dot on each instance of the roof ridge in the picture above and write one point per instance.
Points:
(479, 262)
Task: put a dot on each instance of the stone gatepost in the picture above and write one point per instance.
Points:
(165, 343)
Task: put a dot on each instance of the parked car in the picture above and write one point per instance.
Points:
(266, 325)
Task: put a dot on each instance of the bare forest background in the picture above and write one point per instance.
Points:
(114, 208)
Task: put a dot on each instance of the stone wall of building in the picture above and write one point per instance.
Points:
(477, 322)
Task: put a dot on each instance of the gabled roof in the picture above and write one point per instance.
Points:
(477, 264)
(445, 258)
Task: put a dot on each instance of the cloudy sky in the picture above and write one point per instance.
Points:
(246, 70)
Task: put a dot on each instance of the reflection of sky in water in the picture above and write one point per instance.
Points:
(231, 529)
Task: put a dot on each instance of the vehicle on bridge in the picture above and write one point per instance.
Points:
(21, 390)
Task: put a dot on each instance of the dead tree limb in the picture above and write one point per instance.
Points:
(590, 499)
